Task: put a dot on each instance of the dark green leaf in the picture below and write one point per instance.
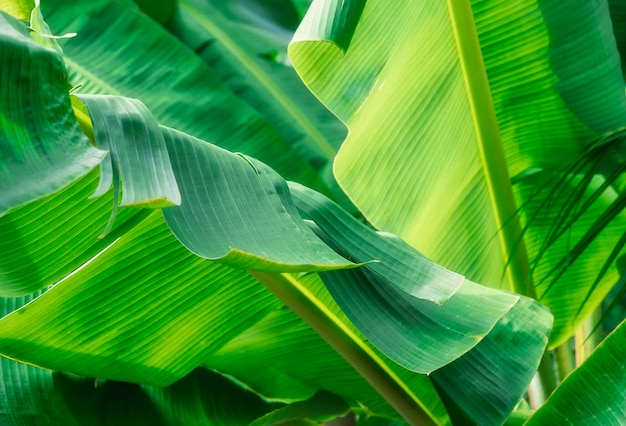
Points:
(41, 146)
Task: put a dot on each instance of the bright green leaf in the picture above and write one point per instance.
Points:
(595, 393)
(19, 9)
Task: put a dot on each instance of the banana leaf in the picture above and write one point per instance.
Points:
(35, 396)
(446, 102)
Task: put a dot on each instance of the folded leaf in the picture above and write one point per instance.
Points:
(389, 300)
(397, 264)
(478, 343)
(137, 150)
(486, 383)
(233, 211)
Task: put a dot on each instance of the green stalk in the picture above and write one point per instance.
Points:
(494, 163)
(565, 360)
(586, 339)
(490, 146)
(547, 375)
(364, 360)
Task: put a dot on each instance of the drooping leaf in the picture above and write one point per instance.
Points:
(397, 263)
(480, 341)
(489, 381)
(595, 393)
(130, 259)
(233, 211)
(445, 104)
(243, 357)
(401, 313)
(41, 146)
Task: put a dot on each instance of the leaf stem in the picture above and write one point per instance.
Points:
(494, 160)
(547, 374)
(565, 360)
(347, 344)
(490, 146)
(587, 337)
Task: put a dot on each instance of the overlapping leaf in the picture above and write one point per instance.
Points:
(436, 129)
(480, 342)
(33, 396)
(89, 359)
(128, 339)
(396, 302)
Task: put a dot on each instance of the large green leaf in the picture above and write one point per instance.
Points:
(299, 373)
(445, 102)
(38, 214)
(233, 210)
(33, 396)
(595, 393)
(41, 146)
(203, 307)
(399, 314)
(157, 323)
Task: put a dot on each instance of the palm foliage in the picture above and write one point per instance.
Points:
(455, 130)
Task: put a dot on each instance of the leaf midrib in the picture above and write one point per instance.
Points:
(490, 147)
